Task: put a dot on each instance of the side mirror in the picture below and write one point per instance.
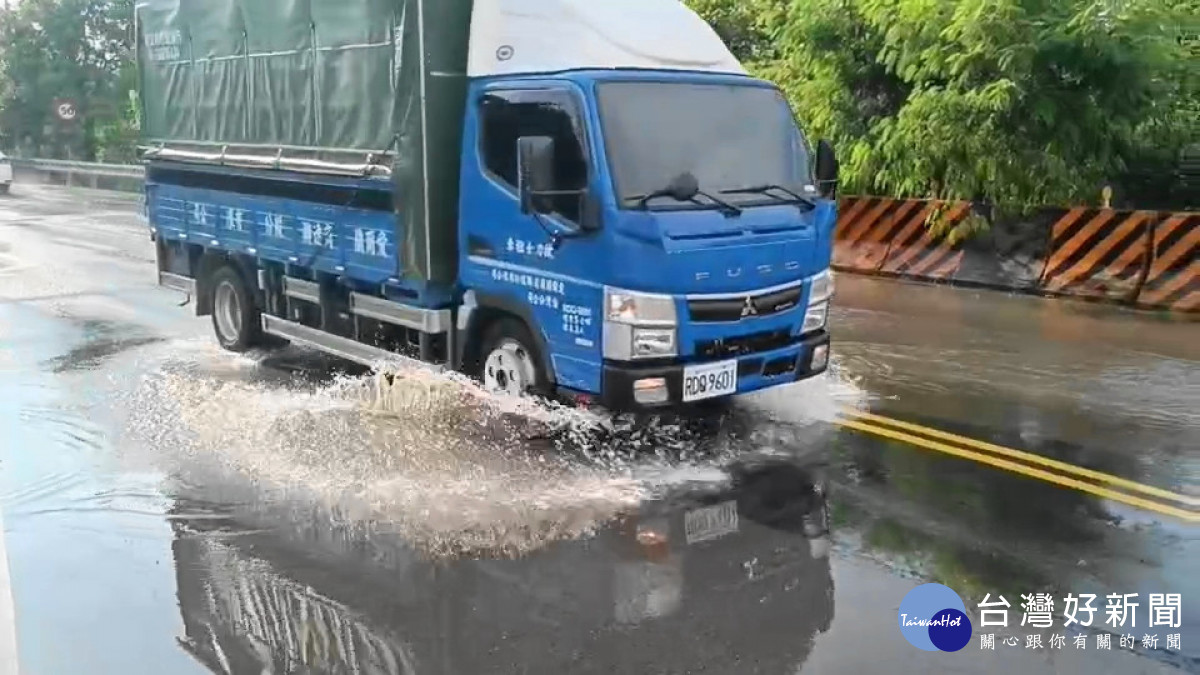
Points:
(827, 170)
(535, 172)
(592, 219)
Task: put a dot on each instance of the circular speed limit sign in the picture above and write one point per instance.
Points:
(65, 110)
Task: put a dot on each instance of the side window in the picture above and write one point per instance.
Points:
(506, 116)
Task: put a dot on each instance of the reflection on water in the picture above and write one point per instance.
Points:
(240, 616)
(258, 594)
(408, 524)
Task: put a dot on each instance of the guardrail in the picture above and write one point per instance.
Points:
(119, 177)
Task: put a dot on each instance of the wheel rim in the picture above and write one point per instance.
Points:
(228, 311)
(509, 369)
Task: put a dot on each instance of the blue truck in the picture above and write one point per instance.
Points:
(564, 198)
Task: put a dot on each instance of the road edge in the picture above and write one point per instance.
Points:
(9, 663)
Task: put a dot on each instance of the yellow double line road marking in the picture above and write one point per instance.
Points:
(1027, 464)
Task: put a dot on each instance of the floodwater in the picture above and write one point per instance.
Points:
(171, 508)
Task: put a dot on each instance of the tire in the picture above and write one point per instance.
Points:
(4, 187)
(510, 361)
(236, 319)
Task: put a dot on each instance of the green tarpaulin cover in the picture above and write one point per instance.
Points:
(320, 77)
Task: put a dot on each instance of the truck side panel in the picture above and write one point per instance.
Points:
(564, 309)
(357, 243)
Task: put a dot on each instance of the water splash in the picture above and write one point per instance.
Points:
(431, 456)
(450, 468)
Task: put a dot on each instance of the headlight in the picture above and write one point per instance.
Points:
(814, 318)
(638, 325)
(623, 342)
(639, 309)
(822, 288)
(653, 342)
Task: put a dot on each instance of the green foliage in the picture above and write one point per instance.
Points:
(65, 49)
(1022, 102)
(117, 135)
(742, 25)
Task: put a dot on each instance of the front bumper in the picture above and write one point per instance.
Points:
(755, 372)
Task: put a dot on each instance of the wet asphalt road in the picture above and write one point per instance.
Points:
(169, 508)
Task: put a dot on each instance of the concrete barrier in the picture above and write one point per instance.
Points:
(1011, 255)
(880, 235)
(1173, 279)
(1099, 253)
(917, 253)
(861, 237)
(1150, 259)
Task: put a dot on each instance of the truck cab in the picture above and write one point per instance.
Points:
(636, 221)
(663, 230)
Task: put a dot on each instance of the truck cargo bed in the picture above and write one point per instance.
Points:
(350, 83)
(340, 226)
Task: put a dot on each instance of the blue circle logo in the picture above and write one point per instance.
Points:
(933, 618)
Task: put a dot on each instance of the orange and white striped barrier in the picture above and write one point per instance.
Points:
(1146, 258)
(1173, 281)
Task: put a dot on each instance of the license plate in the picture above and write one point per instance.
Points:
(711, 522)
(709, 380)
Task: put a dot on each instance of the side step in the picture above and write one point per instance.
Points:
(177, 282)
(432, 321)
(301, 290)
(338, 346)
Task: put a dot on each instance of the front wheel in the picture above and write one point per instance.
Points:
(511, 363)
(236, 319)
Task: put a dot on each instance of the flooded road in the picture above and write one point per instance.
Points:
(171, 508)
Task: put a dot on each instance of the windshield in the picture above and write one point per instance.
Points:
(729, 136)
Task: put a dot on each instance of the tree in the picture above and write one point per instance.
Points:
(71, 49)
(1022, 102)
(742, 25)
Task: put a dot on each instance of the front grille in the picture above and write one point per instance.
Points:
(735, 309)
(744, 344)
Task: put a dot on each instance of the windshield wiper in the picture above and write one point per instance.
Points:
(765, 190)
(684, 188)
(724, 206)
(644, 200)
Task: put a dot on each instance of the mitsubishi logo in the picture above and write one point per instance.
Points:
(749, 309)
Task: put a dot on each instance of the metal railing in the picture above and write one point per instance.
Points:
(119, 177)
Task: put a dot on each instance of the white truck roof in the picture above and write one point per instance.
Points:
(512, 37)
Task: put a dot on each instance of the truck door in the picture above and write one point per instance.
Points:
(512, 255)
